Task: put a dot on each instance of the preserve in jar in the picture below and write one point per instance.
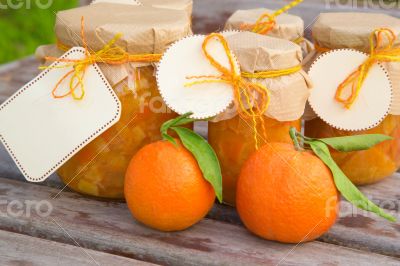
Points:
(353, 30)
(231, 135)
(99, 168)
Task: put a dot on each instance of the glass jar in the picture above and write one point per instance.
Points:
(233, 143)
(231, 135)
(353, 30)
(364, 167)
(99, 168)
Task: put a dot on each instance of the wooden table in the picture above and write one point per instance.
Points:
(83, 231)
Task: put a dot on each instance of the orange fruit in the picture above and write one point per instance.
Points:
(165, 188)
(233, 142)
(286, 195)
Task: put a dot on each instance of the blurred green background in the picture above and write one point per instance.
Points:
(24, 28)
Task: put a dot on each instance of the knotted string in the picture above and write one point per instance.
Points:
(267, 21)
(272, 73)
(379, 53)
(109, 54)
(251, 99)
(321, 49)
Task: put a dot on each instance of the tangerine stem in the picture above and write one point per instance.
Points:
(293, 136)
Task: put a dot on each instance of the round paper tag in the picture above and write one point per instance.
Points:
(186, 59)
(372, 104)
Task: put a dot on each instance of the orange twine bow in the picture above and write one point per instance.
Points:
(379, 53)
(109, 54)
(245, 93)
(267, 22)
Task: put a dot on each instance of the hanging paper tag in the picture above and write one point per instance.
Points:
(186, 59)
(41, 132)
(124, 2)
(372, 104)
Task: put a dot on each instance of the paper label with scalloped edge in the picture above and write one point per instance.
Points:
(41, 132)
(373, 102)
(184, 59)
(124, 2)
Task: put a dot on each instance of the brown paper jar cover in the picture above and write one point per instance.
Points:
(186, 5)
(288, 27)
(257, 53)
(231, 136)
(99, 168)
(353, 30)
(144, 29)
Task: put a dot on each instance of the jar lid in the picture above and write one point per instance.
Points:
(186, 5)
(257, 52)
(350, 30)
(144, 29)
(287, 27)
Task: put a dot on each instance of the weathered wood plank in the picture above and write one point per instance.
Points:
(109, 227)
(359, 231)
(16, 74)
(17, 249)
(385, 193)
(84, 2)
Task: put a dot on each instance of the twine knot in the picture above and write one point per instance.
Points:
(251, 99)
(110, 54)
(380, 52)
(266, 22)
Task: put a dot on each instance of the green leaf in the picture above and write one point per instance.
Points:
(348, 190)
(355, 143)
(169, 138)
(205, 156)
(180, 120)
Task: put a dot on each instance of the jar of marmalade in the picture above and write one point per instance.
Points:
(229, 134)
(99, 168)
(353, 30)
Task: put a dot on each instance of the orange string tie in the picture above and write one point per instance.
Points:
(321, 49)
(266, 22)
(251, 99)
(381, 51)
(109, 54)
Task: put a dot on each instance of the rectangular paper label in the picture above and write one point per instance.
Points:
(42, 132)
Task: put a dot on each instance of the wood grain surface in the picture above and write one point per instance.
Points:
(109, 227)
(78, 226)
(22, 250)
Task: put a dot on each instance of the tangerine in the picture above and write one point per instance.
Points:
(286, 195)
(165, 188)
